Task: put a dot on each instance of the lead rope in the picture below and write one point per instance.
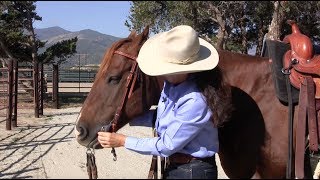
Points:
(91, 160)
(153, 172)
(91, 164)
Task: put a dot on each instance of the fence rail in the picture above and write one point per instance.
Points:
(72, 76)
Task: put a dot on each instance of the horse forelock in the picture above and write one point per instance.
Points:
(136, 40)
(106, 60)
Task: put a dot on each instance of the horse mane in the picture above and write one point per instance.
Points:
(106, 60)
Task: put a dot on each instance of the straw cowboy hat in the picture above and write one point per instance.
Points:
(177, 51)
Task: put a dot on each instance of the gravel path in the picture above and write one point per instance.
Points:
(45, 148)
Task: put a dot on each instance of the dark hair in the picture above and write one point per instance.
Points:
(217, 94)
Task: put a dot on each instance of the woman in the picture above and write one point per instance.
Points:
(194, 102)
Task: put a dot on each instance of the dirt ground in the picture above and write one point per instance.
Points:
(45, 148)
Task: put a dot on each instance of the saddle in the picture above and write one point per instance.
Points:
(304, 74)
(307, 63)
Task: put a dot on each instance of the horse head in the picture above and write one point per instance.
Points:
(119, 92)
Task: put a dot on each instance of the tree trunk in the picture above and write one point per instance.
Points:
(35, 67)
(244, 43)
(222, 30)
(260, 41)
(5, 61)
(277, 18)
(217, 17)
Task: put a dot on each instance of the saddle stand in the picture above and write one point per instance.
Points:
(303, 69)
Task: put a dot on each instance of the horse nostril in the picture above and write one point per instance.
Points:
(82, 132)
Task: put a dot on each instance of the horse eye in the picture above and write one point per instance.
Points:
(114, 79)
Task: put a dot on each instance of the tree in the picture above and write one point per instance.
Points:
(307, 15)
(59, 52)
(17, 37)
(277, 20)
(231, 25)
(216, 21)
(18, 40)
(259, 16)
(11, 32)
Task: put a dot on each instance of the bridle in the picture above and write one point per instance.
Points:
(131, 81)
(111, 127)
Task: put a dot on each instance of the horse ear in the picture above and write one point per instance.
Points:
(145, 32)
(141, 38)
(133, 34)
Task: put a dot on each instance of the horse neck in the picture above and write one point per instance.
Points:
(154, 88)
(160, 82)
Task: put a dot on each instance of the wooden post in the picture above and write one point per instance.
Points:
(36, 89)
(15, 93)
(40, 88)
(53, 83)
(79, 73)
(10, 86)
(55, 86)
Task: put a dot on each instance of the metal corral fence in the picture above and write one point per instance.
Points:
(17, 90)
(8, 96)
(26, 88)
(64, 84)
(71, 81)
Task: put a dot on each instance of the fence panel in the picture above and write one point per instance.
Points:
(6, 94)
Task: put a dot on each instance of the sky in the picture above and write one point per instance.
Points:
(107, 17)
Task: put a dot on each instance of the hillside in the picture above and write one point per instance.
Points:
(90, 42)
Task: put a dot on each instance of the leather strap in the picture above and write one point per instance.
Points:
(91, 166)
(306, 109)
(312, 119)
(181, 158)
(131, 80)
(290, 166)
(300, 135)
(153, 168)
(153, 171)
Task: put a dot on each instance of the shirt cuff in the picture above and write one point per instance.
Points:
(131, 142)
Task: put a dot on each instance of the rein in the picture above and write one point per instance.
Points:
(111, 127)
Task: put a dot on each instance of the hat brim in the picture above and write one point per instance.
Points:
(152, 64)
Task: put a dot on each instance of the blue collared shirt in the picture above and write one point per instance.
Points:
(183, 124)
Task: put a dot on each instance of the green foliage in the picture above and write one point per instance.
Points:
(244, 22)
(59, 52)
(17, 35)
(307, 16)
(16, 19)
(163, 15)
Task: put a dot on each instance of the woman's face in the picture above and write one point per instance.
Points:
(176, 78)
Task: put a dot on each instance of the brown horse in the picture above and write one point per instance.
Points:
(253, 142)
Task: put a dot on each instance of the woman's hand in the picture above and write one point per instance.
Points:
(108, 140)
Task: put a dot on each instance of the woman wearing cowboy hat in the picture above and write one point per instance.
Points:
(194, 102)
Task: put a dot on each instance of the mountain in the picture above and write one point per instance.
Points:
(90, 42)
(47, 33)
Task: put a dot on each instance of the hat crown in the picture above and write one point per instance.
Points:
(177, 51)
(180, 45)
